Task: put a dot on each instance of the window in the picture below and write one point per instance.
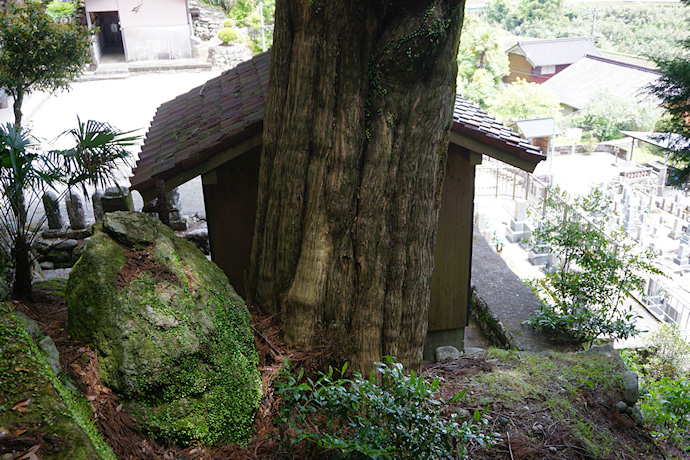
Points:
(548, 69)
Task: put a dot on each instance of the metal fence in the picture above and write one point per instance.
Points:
(494, 180)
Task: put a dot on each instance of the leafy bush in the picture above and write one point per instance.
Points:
(228, 35)
(400, 418)
(666, 407)
(665, 382)
(582, 298)
(61, 10)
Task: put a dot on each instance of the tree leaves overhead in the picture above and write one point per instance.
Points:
(37, 53)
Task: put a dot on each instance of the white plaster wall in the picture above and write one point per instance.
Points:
(156, 43)
(152, 13)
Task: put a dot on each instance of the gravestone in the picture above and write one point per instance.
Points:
(676, 230)
(117, 198)
(51, 205)
(519, 229)
(75, 210)
(97, 206)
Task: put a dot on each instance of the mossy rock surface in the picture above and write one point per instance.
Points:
(172, 335)
(35, 407)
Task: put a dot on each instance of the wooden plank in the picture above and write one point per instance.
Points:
(453, 256)
(231, 212)
(479, 147)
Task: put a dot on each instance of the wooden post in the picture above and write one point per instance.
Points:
(162, 203)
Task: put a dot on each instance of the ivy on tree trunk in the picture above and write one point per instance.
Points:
(358, 114)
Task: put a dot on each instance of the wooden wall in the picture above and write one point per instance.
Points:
(230, 193)
(519, 68)
(450, 288)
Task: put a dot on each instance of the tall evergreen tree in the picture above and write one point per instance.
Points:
(358, 116)
(673, 88)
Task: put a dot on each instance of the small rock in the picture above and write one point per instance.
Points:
(446, 352)
(29, 324)
(471, 351)
(538, 427)
(52, 354)
(462, 413)
(632, 388)
(621, 406)
(47, 265)
(637, 416)
(503, 421)
(66, 245)
(553, 449)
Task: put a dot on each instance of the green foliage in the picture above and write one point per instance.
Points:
(666, 407)
(481, 62)
(673, 88)
(666, 383)
(523, 101)
(634, 29)
(582, 298)
(61, 10)
(400, 418)
(246, 14)
(56, 407)
(25, 175)
(228, 35)
(58, 52)
(606, 115)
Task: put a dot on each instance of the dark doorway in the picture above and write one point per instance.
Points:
(109, 44)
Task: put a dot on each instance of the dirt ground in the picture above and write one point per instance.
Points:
(508, 389)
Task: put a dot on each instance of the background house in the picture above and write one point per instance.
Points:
(538, 60)
(141, 29)
(216, 131)
(580, 82)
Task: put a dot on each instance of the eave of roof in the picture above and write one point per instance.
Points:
(225, 115)
(556, 51)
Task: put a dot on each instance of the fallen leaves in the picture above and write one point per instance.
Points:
(21, 406)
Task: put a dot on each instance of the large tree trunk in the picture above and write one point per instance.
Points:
(356, 129)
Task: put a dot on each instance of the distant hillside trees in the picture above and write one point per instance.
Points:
(482, 63)
(606, 114)
(637, 29)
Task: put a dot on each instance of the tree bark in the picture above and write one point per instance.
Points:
(358, 114)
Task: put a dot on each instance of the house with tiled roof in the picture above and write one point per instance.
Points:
(215, 131)
(538, 60)
(579, 83)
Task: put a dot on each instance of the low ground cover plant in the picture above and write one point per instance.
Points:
(663, 370)
(360, 418)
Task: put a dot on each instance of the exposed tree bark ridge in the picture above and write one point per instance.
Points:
(356, 129)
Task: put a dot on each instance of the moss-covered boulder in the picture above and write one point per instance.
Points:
(40, 415)
(172, 335)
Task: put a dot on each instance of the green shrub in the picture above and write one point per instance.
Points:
(582, 298)
(231, 23)
(358, 418)
(666, 407)
(228, 35)
(60, 10)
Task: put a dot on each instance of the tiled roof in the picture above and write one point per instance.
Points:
(578, 83)
(472, 121)
(557, 51)
(196, 125)
(207, 120)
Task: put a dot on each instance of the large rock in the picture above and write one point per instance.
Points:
(171, 334)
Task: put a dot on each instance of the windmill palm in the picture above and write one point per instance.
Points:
(26, 174)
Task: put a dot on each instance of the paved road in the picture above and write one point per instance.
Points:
(127, 104)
